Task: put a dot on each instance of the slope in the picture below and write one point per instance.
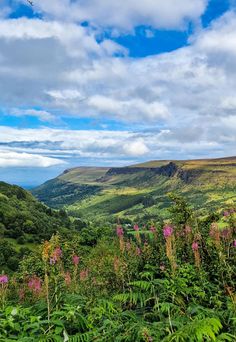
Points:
(141, 190)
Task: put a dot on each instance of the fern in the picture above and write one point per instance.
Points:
(197, 331)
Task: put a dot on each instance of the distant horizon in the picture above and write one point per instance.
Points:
(83, 83)
(44, 176)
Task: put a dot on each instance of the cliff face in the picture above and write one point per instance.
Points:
(169, 170)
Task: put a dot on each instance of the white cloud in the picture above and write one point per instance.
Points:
(186, 96)
(86, 147)
(126, 14)
(41, 114)
(136, 148)
(14, 159)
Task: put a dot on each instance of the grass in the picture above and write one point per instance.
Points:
(210, 184)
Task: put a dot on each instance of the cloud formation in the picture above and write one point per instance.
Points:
(178, 104)
(14, 159)
(125, 15)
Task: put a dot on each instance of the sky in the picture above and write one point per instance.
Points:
(113, 83)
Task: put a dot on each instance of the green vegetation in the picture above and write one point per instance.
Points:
(24, 223)
(139, 192)
(173, 281)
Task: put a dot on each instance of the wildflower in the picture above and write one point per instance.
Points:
(138, 251)
(137, 235)
(76, 260)
(52, 261)
(119, 231)
(83, 275)
(21, 294)
(197, 258)
(167, 231)
(215, 234)
(226, 213)
(153, 229)
(188, 230)
(46, 249)
(56, 255)
(128, 246)
(226, 233)
(3, 279)
(195, 246)
(34, 284)
(116, 264)
(67, 278)
(234, 243)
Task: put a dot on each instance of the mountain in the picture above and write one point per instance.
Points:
(24, 223)
(141, 190)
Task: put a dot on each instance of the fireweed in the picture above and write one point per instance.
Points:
(3, 289)
(168, 233)
(137, 235)
(120, 234)
(197, 258)
(215, 235)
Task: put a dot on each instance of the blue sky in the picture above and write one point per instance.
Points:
(99, 83)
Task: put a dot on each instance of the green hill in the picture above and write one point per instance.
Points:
(24, 223)
(141, 190)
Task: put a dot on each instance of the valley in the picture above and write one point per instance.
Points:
(141, 191)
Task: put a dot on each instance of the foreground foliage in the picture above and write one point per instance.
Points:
(152, 283)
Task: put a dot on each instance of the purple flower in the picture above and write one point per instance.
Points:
(234, 243)
(76, 259)
(136, 227)
(195, 246)
(226, 213)
(3, 279)
(167, 231)
(119, 231)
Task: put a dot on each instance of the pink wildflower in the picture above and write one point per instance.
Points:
(128, 246)
(188, 230)
(225, 233)
(3, 279)
(153, 229)
(234, 243)
(56, 255)
(34, 284)
(76, 259)
(119, 231)
(83, 275)
(167, 231)
(67, 278)
(195, 246)
(138, 251)
(136, 227)
(226, 213)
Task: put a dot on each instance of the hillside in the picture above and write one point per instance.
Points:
(141, 190)
(24, 223)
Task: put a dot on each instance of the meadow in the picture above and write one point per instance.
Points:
(168, 281)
